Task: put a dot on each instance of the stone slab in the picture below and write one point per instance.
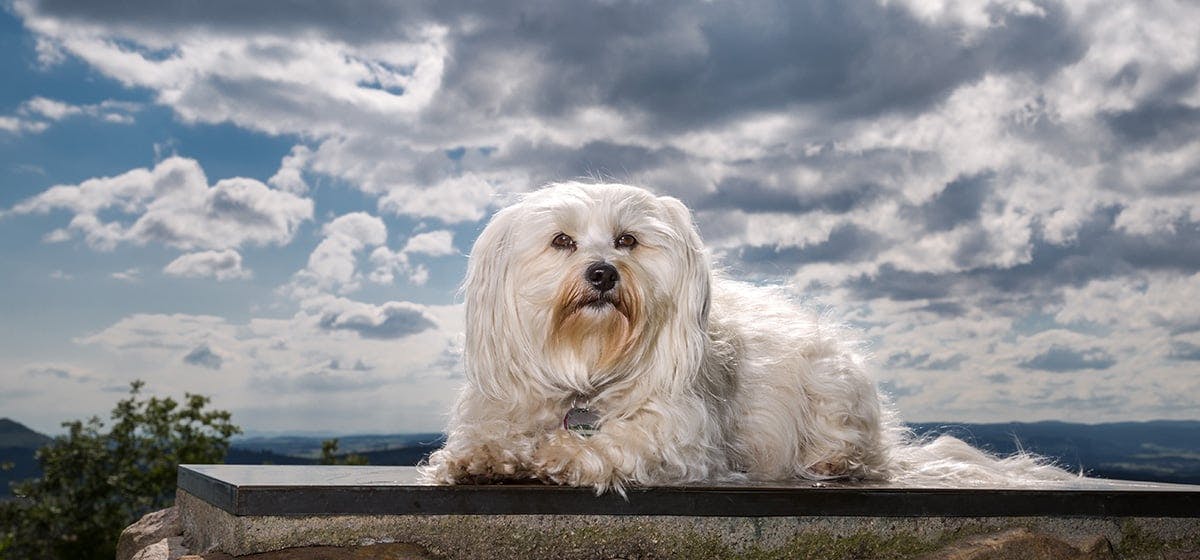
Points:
(285, 490)
(210, 531)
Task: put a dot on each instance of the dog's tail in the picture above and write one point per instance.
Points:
(949, 461)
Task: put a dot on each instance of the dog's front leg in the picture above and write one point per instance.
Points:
(481, 458)
(563, 457)
(645, 449)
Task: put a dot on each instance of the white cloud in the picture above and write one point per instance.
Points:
(1021, 194)
(334, 83)
(1161, 302)
(50, 109)
(222, 265)
(971, 14)
(174, 205)
(455, 199)
(333, 267)
(399, 380)
(419, 275)
(131, 275)
(62, 372)
(290, 176)
(17, 125)
(38, 113)
(433, 243)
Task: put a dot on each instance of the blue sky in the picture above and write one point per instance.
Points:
(273, 205)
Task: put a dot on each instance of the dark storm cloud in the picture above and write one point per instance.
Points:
(959, 202)
(389, 321)
(895, 390)
(846, 243)
(204, 356)
(1065, 359)
(944, 308)
(923, 361)
(1184, 351)
(854, 59)
(750, 195)
(370, 18)
(998, 378)
(1100, 250)
(1163, 118)
(358, 365)
(1169, 122)
(680, 65)
(902, 285)
(598, 160)
(59, 373)
(50, 372)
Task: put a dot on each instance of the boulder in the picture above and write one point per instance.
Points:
(1022, 544)
(170, 548)
(390, 551)
(151, 529)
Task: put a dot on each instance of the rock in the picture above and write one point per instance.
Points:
(150, 529)
(1021, 544)
(170, 548)
(390, 551)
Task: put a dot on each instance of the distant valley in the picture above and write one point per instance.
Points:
(1162, 451)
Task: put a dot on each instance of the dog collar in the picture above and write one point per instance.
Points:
(581, 421)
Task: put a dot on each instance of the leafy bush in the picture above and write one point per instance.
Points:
(97, 482)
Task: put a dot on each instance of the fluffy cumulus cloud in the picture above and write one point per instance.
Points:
(385, 370)
(222, 265)
(1002, 194)
(38, 113)
(334, 266)
(389, 365)
(174, 205)
(391, 320)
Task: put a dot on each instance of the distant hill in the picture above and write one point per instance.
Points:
(1162, 451)
(15, 434)
(405, 456)
(310, 446)
(18, 444)
(242, 456)
(403, 450)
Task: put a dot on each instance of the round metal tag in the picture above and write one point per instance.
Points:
(582, 421)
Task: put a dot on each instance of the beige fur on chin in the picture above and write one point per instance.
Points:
(694, 376)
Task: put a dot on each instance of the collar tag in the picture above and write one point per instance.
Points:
(582, 421)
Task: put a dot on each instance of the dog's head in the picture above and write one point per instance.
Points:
(578, 287)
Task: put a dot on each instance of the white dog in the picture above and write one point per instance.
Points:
(602, 350)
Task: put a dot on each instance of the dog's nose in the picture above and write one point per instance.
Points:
(602, 276)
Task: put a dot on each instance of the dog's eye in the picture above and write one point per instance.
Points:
(626, 241)
(563, 241)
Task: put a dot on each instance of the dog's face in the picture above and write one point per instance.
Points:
(577, 287)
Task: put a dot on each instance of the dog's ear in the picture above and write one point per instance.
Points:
(696, 271)
(489, 309)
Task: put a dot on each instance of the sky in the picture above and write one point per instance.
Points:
(272, 203)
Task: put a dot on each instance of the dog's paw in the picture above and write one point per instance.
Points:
(482, 464)
(568, 459)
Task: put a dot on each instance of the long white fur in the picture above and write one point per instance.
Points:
(698, 378)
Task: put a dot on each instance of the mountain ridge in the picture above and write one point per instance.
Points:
(1152, 450)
